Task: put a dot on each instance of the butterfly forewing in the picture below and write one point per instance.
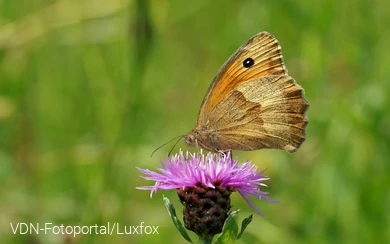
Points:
(264, 50)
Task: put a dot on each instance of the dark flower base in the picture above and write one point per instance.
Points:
(205, 208)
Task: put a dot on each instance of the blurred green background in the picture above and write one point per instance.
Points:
(89, 88)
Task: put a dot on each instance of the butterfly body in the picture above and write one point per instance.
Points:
(252, 103)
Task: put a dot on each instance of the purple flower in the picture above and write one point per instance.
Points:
(209, 171)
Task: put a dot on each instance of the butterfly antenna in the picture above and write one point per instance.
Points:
(177, 137)
(174, 145)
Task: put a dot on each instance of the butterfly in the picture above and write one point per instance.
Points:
(252, 103)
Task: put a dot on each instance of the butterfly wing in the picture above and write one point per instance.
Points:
(267, 112)
(264, 50)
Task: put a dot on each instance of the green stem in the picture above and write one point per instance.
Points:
(206, 239)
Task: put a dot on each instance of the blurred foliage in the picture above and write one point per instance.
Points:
(88, 88)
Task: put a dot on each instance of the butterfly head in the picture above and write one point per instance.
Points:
(190, 139)
(200, 139)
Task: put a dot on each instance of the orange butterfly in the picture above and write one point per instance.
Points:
(252, 103)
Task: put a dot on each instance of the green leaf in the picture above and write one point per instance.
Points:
(229, 230)
(176, 221)
(244, 224)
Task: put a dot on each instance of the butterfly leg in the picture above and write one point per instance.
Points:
(226, 153)
(197, 146)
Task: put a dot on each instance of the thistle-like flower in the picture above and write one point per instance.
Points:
(204, 184)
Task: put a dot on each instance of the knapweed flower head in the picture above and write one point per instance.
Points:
(204, 184)
(212, 170)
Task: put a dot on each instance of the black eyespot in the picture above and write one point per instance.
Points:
(248, 62)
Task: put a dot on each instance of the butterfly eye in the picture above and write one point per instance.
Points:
(248, 62)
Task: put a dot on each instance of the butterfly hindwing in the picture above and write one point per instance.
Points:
(267, 112)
